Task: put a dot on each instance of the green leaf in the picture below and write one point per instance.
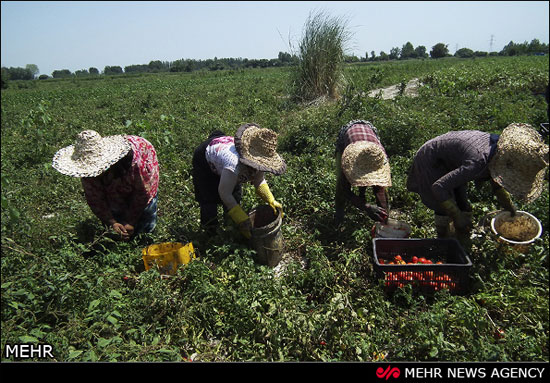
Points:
(93, 304)
(28, 339)
(102, 342)
(115, 294)
(6, 285)
(112, 319)
(75, 354)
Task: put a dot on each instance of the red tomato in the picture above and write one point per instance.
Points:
(422, 260)
(499, 333)
(415, 259)
(397, 258)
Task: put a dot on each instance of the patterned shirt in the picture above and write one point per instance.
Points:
(130, 194)
(448, 162)
(355, 131)
(221, 154)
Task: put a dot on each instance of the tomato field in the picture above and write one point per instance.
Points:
(66, 282)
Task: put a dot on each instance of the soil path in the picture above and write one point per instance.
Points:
(391, 92)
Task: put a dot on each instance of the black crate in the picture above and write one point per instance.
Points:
(452, 273)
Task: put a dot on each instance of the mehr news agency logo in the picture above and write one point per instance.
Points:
(28, 351)
(497, 372)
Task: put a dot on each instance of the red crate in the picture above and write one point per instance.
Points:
(451, 274)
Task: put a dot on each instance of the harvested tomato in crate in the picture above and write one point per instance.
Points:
(427, 264)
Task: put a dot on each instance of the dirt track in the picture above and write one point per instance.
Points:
(391, 92)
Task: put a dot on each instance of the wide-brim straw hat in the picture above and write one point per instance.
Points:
(257, 148)
(520, 162)
(90, 155)
(365, 164)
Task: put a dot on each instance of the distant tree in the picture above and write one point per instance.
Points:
(535, 46)
(407, 51)
(439, 50)
(19, 74)
(156, 66)
(285, 58)
(111, 70)
(93, 71)
(420, 51)
(384, 56)
(5, 77)
(43, 77)
(63, 73)
(394, 53)
(33, 68)
(351, 59)
(143, 68)
(189, 65)
(372, 56)
(464, 53)
(510, 49)
(81, 73)
(480, 54)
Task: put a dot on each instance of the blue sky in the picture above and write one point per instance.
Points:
(78, 35)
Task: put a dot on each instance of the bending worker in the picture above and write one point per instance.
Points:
(513, 162)
(221, 164)
(361, 161)
(120, 177)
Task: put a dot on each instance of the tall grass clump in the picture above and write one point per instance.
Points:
(321, 57)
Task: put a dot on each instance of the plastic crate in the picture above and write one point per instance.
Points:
(452, 273)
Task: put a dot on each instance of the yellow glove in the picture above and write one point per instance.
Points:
(242, 220)
(265, 194)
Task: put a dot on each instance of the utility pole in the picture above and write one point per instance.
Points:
(491, 43)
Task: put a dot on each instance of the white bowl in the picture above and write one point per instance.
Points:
(393, 229)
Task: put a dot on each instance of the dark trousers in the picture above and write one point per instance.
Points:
(206, 184)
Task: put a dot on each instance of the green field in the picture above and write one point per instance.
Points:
(67, 283)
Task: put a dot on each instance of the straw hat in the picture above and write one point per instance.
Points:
(520, 161)
(365, 164)
(257, 148)
(90, 155)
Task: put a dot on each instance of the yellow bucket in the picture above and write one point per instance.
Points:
(167, 256)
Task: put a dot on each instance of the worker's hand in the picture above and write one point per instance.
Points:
(129, 229)
(505, 200)
(265, 194)
(245, 228)
(463, 222)
(376, 213)
(121, 230)
(238, 216)
(276, 205)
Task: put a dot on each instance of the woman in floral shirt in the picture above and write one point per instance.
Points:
(120, 177)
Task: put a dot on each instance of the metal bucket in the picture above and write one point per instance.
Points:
(519, 231)
(266, 238)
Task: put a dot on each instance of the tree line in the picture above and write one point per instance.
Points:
(407, 51)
